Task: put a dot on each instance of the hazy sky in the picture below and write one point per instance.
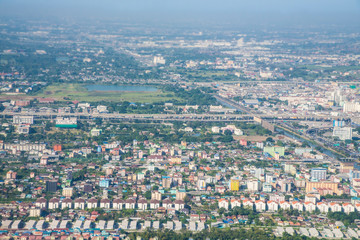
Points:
(230, 11)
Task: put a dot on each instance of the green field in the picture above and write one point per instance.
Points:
(66, 92)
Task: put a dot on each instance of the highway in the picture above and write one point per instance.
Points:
(171, 117)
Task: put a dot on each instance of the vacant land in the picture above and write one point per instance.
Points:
(65, 92)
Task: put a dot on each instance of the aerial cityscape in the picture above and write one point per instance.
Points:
(115, 128)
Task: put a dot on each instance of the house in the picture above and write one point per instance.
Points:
(285, 205)
(348, 208)
(179, 204)
(154, 204)
(248, 204)
(357, 207)
(79, 203)
(171, 211)
(235, 203)
(105, 203)
(118, 203)
(296, 205)
(223, 203)
(335, 207)
(54, 203)
(92, 203)
(130, 203)
(66, 203)
(142, 204)
(323, 207)
(273, 206)
(260, 206)
(167, 203)
(194, 217)
(310, 206)
(41, 203)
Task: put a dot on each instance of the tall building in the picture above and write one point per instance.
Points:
(69, 175)
(87, 188)
(67, 192)
(201, 184)
(234, 184)
(104, 183)
(11, 175)
(159, 60)
(318, 174)
(290, 168)
(267, 187)
(166, 182)
(35, 212)
(156, 195)
(337, 123)
(180, 194)
(51, 186)
(285, 185)
(259, 173)
(253, 185)
(316, 186)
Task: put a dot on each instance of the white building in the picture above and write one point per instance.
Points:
(285, 205)
(253, 186)
(273, 206)
(142, 204)
(179, 204)
(343, 133)
(323, 207)
(215, 129)
(235, 203)
(154, 204)
(335, 207)
(54, 203)
(159, 60)
(118, 204)
(348, 208)
(223, 203)
(248, 204)
(297, 206)
(260, 206)
(23, 119)
(310, 206)
(351, 107)
(79, 203)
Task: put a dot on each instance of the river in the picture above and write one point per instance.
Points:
(325, 151)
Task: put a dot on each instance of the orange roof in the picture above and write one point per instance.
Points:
(346, 204)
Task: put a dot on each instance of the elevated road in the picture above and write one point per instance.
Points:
(174, 117)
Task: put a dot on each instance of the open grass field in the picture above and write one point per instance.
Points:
(66, 92)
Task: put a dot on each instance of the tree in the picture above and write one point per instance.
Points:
(227, 132)
(148, 195)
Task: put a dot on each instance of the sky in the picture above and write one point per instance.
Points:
(281, 12)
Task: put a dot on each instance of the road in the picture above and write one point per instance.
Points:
(172, 117)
